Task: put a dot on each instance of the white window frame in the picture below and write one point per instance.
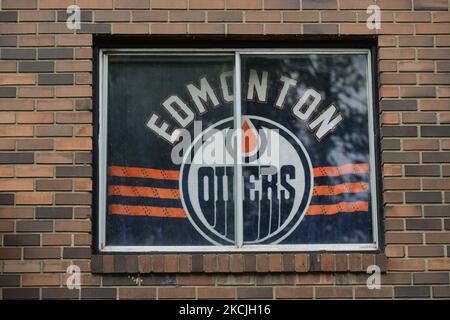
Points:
(238, 247)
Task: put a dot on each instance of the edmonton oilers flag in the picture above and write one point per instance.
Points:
(305, 144)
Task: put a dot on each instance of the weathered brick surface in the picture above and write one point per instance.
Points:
(46, 141)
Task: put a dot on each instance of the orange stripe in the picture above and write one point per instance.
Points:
(344, 169)
(147, 211)
(340, 188)
(163, 193)
(330, 209)
(133, 172)
(131, 191)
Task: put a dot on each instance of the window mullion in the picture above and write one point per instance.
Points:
(238, 186)
(102, 147)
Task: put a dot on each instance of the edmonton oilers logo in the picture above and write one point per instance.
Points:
(277, 182)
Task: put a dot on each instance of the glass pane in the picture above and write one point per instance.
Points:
(306, 139)
(161, 192)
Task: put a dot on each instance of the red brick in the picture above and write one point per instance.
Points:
(415, 66)
(216, 293)
(16, 213)
(16, 104)
(332, 16)
(419, 117)
(245, 28)
(34, 198)
(439, 264)
(420, 144)
(35, 280)
(262, 262)
(354, 4)
(365, 293)
(406, 264)
(437, 237)
(126, 28)
(7, 117)
(36, 41)
(294, 293)
(54, 4)
(49, 239)
(206, 28)
(396, 28)
(73, 40)
(8, 66)
(10, 253)
(21, 266)
(387, 66)
(57, 104)
(398, 4)
(403, 211)
(73, 66)
(239, 4)
(312, 4)
(275, 262)
(34, 117)
(6, 172)
(188, 16)
(176, 293)
(441, 17)
(35, 92)
(173, 4)
(283, 28)
(16, 131)
(301, 263)
(387, 41)
(426, 28)
(395, 251)
(53, 158)
(434, 105)
(131, 4)
(72, 226)
(73, 91)
(425, 251)
(16, 185)
(392, 170)
(263, 16)
(73, 144)
(178, 28)
(6, 226)
(137, 293)
(95, 4)
(333, 292)
(298, 16)
(418, 41)
(436, 184)
(412, 17)
(388, 92)
(7, 144)
(16, 28)
(150, 16)
(17, 79)
(403, 238)
(206, 4)
(19, 4)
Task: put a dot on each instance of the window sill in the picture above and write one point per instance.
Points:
(237, 263)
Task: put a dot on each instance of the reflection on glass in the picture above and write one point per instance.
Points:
(295, 91)
(149, 98)
(171, 162)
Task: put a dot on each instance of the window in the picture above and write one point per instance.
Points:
(236, 150)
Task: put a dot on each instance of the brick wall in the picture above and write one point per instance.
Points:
(46, 132)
